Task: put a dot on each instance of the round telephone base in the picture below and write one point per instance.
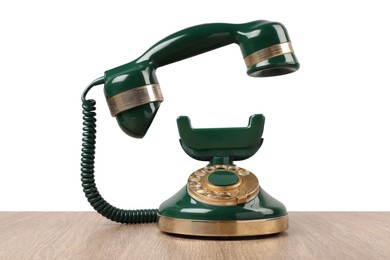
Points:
(184, 215)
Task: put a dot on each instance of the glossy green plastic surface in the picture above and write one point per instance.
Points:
(208, 144)
(182, 205)
(189, 42)
(223, 178)
(139, 118)
(221, 138)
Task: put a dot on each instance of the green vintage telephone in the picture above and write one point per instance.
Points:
(220, 199)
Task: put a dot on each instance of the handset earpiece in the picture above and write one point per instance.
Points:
(132, 90)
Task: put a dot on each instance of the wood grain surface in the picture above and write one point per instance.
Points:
(87, 235)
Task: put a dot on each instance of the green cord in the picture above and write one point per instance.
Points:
(87, 170)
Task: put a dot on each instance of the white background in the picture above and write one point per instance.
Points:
(327, 131)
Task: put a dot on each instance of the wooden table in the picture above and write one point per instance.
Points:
(87, 235)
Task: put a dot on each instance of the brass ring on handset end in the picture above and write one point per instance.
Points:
(134, 97)
(268, 53)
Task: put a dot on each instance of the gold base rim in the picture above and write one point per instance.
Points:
(222, 228)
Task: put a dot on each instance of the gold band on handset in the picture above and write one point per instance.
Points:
(268, 53)
(134, 97)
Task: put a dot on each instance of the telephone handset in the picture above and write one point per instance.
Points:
(220, 199)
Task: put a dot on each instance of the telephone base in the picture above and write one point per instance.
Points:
(184, 215)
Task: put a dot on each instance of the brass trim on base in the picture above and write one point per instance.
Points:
(222, 228)
(268, 53)
(134, 97)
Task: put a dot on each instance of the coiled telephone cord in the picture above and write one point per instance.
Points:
(87, 170)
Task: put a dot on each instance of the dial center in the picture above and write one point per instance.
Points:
(223, 178)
